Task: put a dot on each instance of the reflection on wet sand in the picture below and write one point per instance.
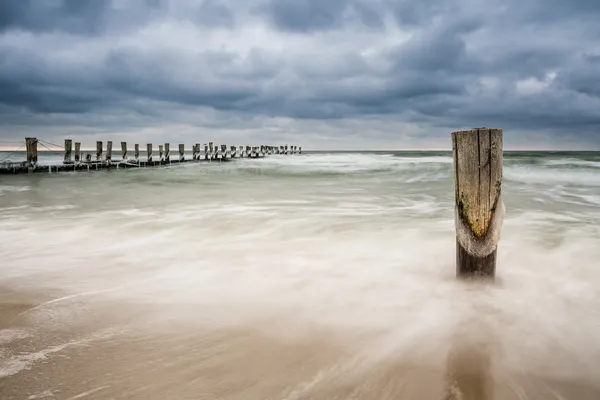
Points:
(117, 352)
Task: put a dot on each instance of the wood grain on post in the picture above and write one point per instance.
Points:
(479, 209)
(77, 152)
(31, 146)
(68, 149)
(98, 150)
(124, 150)
(109, 151)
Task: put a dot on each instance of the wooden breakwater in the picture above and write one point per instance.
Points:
(76, 160)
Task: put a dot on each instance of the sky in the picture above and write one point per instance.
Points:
(321, 74)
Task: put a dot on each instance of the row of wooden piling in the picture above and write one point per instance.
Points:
(77, 160)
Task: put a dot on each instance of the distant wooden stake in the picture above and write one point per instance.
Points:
(68, 149)
(167, 152)
(77, 152)
(124, 150)
(136, 152)
(181, 153)
(109, 151)
(98, 150)
(149, 151)
(160, 152)
(479, 208)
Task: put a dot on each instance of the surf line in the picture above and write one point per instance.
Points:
(76, 295)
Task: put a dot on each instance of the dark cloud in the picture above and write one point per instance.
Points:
(520, 65)
(77, 16)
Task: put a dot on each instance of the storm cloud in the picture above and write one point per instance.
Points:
(335, 73)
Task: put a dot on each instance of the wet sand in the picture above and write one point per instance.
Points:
(118, 351)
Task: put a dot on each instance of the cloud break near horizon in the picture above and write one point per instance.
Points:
(324, 74)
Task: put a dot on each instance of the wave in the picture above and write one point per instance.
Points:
(572, 161)
(324, 165)
(552, 176)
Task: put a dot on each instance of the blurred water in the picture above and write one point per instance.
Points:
(323, 275)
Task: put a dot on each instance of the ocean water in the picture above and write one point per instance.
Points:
(313, 276)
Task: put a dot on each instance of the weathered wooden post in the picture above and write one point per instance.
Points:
(68, 148)
(32, 155)
(181, 151)
(149, 151)
(108, 151)
(479, 209)
(77, 152)
(233, 151)
(241, 150)
(210, 149)
(197, 151)
(206, 155)
(224, 151)
(98, 150)
(160, 153)
(300, 150)
(136, 152)
(167, 153)
(124, 150)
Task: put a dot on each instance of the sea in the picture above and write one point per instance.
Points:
(325, 275)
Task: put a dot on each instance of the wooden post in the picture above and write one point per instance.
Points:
(77, 152)
(232, 151)
(210, 149)
(224, 151)
(300, 150)
(68, 149)
(124, 150)
(98, 150)
(136, 152)
(167, 152)
(149, 151)
(181, 151)
(479, 208)
(32, 156)
(109, 151)
(197, 152)
(160, 152)
(205, 151)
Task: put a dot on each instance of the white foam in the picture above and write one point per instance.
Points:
(20, 362)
